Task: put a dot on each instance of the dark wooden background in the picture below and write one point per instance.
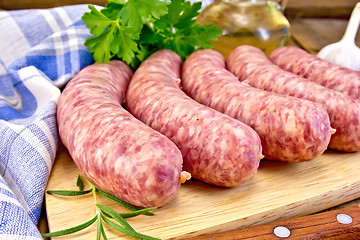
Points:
(314, 23)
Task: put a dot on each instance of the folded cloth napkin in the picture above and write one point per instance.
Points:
(40, 50)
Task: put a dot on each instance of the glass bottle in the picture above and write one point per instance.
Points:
(259, 23)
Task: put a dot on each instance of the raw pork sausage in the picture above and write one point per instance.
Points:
(114, 149)
(251, 65)
(315, 69)
(216, 148)
(291, 129)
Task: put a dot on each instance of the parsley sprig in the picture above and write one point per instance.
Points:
(134, 29)
(103, 213)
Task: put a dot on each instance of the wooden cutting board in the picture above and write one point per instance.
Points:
(277, 191)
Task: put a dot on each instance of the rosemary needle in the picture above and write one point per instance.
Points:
(70, 230)
(103, 213)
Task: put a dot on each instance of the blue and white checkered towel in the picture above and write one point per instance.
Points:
(40, 50)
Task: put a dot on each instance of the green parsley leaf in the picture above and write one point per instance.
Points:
(130, 15)
(136, 12)
(134, 29)
(112, 10)
(152, 8)
(99, 46)
(187, 18)
(201, 34)
(96, 21)
(181, 32)
(128, 39)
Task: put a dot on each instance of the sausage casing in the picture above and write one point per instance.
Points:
(251, 65)
(115, 150)
(315, 69)
(291, 129)
(216, 149)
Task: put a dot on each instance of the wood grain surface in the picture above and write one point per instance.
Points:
(320, 8)
(314, 34)
(277, 191)
(324, 226)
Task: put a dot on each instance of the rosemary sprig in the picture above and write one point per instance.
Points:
(120, 202)
(103, 213)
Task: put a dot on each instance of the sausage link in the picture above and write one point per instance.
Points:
(216, 149)
(251, 65)
(291, 129)
(115, 150)
(317, 70)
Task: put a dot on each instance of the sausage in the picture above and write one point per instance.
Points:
(251, 65)
(115, 150)
(315, 69)
(216, 148)
(291, 129)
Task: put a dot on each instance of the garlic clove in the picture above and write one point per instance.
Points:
(345, 52)
(345, 55)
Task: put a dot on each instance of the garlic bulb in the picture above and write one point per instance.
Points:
(345, 52)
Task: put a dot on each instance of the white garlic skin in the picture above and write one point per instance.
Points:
(348, 55)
